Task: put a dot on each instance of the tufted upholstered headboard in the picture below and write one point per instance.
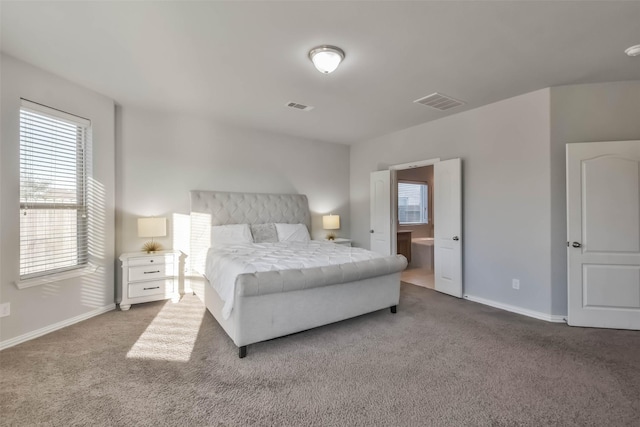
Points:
(209, 208)
(251, 208)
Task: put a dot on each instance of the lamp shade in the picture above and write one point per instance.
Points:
(152, 227)
(331, 222)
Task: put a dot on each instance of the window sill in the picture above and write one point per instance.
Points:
(56, 277)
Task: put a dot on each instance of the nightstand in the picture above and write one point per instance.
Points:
(340, 241)
(149, 277)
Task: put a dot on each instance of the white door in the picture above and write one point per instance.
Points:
(381, 212)
(447, 220)
(603, 234)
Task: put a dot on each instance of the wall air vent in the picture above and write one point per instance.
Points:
(300, 107)
(439, 101)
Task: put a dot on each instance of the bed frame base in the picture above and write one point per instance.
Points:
(264, 317)
(242, 350)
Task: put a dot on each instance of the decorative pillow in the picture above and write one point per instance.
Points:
(264, 233)
(231, 234)
(292, 233)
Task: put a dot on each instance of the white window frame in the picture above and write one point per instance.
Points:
(424, 217)
(81, 264)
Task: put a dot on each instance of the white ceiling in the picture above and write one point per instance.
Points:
(241, 62)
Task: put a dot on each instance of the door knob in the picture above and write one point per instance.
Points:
(371, 231)
(576, 245)
(456, 238)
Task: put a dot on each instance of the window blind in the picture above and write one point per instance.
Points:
(53, 190)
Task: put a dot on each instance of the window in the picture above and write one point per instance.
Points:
(413, 205)
(53, 183)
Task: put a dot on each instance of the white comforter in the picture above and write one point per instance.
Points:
(225, 263)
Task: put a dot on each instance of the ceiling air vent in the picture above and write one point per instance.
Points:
(439, 101)
(300, 107)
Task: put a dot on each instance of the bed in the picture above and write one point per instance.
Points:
(274, 303)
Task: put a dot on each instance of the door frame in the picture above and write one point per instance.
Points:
(417, 164)
(393, 217)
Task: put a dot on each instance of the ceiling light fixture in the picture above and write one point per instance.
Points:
(326, 58)
(633, 50)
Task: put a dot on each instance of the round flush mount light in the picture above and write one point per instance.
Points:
(326, 58)
(633, 50)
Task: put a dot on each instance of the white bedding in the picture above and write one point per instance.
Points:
(226, 262)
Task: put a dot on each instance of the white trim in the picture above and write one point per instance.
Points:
(554, 318)
(412, 165)
(47, 329)
(56, 277)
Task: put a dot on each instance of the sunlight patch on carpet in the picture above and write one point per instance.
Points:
(172, 334)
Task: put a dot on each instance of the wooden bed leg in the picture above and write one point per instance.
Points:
(242, 352)
(394, 309)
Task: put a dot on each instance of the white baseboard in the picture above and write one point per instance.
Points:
(518, 310)
(47, 329)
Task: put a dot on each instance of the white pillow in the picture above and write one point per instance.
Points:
(292, 233)
(231, 234)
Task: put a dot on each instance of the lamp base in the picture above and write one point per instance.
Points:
(331, 236)
(151, 246)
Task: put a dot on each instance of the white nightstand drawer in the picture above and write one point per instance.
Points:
(151, 260)
(155, 287)
(150, 277)
(150, 272)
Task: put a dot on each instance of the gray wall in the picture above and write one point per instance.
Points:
(583, 113)
(41, 306)
(162, 156)
(505, 166)
(514, 188)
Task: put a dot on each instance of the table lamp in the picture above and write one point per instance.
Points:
(331, 222)
(152, 227)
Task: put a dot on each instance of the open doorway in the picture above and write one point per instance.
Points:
(446, 208)
(414, 223)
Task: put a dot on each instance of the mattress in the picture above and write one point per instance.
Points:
(226, 262)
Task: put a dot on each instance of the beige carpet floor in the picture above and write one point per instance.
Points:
(439, 361)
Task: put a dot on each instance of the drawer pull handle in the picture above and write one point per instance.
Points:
(151, 272)
(146, 289)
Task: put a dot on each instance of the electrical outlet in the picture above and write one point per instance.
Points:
(5, 309)
(515, 284)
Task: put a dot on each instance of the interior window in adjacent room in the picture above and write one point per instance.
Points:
(413, 203)
(53, 190)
